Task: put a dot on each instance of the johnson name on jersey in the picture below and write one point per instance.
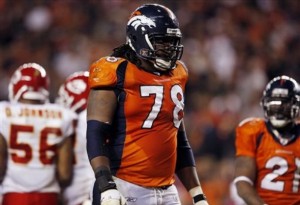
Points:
(32, 133)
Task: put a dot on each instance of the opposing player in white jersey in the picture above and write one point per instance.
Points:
(73, 94)
(37, 136)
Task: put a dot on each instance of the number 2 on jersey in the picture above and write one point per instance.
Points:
(269, 181)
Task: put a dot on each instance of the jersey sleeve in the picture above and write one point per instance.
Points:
(103, 72)
(247, 133)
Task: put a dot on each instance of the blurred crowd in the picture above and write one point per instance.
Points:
(231, 47)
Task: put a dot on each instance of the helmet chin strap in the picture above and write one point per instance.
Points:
(162, 65)
(279, 123)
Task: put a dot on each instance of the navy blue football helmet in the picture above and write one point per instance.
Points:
(281, 101)
(153, 33)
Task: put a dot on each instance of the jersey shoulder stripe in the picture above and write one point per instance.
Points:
(250, 120)
(250, 127)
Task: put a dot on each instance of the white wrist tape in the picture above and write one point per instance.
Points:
(198, 196)
(196, 191)
(243, 178)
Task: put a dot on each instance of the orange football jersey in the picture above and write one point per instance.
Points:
(278, 166)
(150, 110)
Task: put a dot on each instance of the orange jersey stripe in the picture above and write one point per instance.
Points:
(149, 114)
(278, 166)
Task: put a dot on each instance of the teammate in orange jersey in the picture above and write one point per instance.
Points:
(136, 140)
(267, 150)
(35, 143)
(73, 95)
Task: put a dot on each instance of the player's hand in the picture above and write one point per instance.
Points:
(112, 197)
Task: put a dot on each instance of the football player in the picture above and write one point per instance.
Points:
(136, 141)
(267, 150)
(73, 95)
(35, 141)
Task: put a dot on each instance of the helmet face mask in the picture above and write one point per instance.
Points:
(281, 101)
(280, 111)
(153, 33)
(164, 53)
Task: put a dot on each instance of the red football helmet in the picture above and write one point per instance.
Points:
(73, 93)
(30, 82)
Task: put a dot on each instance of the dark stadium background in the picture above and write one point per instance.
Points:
(232, 49)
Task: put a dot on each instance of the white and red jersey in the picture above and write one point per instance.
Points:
(83, 175)
(33, 133)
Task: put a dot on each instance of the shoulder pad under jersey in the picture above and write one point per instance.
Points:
(181, 63)
(181, 71)
(251, 126)
(251, 121)
(103, 72)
